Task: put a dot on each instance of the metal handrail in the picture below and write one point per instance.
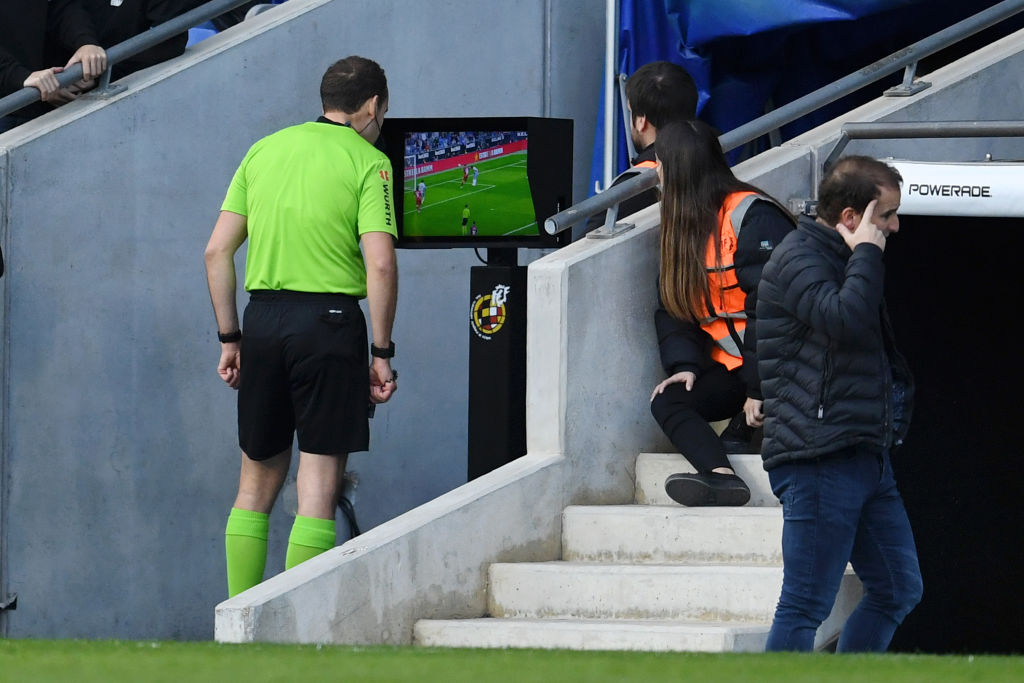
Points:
(790, 112)
(607, 200)
(882, 130)
(869, 74)
(129, 48)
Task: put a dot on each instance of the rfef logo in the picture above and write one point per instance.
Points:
(488, 313)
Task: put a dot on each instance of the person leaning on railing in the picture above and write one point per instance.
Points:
(116, 23)
(717, 233)
(26, 27)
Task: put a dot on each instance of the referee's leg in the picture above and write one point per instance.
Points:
(245, 538)
(314, 530)
(261, 480)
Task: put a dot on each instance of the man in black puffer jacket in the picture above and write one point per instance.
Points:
(837, 398)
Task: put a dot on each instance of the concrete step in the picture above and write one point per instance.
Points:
(653, 468)
(592, 634)
(562, 590)
(650, 534)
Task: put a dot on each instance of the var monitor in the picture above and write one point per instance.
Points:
(479, 182)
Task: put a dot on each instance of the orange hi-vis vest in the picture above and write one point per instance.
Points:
(727, 323)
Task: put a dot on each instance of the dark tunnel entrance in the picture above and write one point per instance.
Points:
(954, 288)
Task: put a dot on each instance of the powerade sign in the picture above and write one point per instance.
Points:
(984, 189)
(935, 190)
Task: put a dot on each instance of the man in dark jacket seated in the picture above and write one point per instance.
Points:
(837, 398)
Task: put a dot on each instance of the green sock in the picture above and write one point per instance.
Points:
(310, 537)
(245, 546)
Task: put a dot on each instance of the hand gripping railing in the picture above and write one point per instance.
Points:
(906, 58)
(129, 48)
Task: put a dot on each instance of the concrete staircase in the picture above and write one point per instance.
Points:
(649, 576)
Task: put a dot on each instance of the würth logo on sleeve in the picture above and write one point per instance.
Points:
(384, 176)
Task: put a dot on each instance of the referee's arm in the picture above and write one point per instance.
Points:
(382, 296)
(228, 235)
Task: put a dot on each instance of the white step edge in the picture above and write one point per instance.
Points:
(592, 634)
(653, 468)
(649, 534)
(601, 591)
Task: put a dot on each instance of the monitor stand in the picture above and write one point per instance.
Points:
(497, 362)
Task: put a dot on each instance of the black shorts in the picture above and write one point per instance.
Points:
(305, 369)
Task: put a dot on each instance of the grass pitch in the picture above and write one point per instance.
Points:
(86, 661)
(500, 203)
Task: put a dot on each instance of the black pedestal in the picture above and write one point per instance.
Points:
(497, 366)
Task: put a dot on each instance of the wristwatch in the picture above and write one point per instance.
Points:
(378, 352)
(229, 337)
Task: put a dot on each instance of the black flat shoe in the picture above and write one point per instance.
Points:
(707, 489)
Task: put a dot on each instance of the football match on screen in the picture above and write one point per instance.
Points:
(467, 184)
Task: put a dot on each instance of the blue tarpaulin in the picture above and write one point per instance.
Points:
(748, 56)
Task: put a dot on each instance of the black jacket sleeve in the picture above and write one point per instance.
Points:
(764, 226)
(683, 345)
(156, 13)
(843, 306)
(12, 73)
(68, 24)
(22, 28)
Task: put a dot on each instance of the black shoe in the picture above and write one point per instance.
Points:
(707, 489)
(737, 436)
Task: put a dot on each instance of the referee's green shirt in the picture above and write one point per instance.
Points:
(309, 192)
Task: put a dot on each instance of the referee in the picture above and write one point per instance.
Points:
(306, 197)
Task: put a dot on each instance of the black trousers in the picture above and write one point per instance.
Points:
(718, 394)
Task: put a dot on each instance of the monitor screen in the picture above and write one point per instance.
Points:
(481, 182)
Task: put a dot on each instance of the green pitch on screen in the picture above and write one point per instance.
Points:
(500, 203)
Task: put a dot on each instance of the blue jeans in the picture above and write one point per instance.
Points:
(839, 508)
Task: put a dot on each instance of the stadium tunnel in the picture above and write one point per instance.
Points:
(952, 279)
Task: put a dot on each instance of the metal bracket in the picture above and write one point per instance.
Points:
(904, 90)
(612, 226)
(10, 603)
(909, 86)
(104, 93)
(799, 206)
(604, 232)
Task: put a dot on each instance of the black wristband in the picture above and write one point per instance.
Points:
(378, 352)
(229, 337)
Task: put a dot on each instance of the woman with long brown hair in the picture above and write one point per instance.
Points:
(717, 233)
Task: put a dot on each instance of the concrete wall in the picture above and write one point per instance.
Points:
(118, 458)
(591, 364)
(584, 430)
(591, 351)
